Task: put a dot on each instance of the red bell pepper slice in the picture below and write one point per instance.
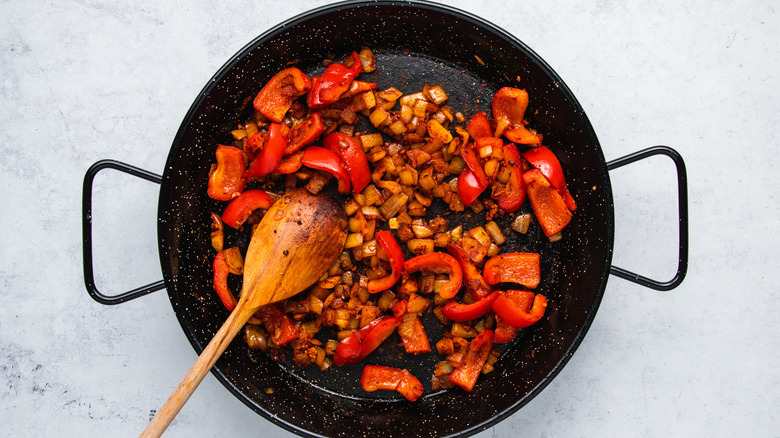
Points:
(511, 196)
(335, 80)
(241, 207)
(467, 312)
(509, 311)
(320, 158)
(509, 105)
(278, 94)
(400, 308)
(376, 377)
(254, 145)
(358, 87)
(360, 344)
(351, 152)
(472, 276)
(280, 326)
(439, 263)
(472, 161)
(479, 126)
(395, 256)
(469, 187)
(466, 375)
(304, 132)
(545, 160)
(221, 271)
(523, 299)
(514, 267)
(472, 181)
(271, 155)
(522, 135)
(225, 178)
(290, 164)
(548, 205)
(413, 334)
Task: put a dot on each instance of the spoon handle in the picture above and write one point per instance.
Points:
(163, 418)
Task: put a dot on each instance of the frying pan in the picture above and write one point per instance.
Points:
(415, 43)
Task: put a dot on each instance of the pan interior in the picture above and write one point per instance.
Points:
(415, 44)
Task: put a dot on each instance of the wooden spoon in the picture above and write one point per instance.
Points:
(298, 239)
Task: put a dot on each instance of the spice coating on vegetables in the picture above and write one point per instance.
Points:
(394, 155)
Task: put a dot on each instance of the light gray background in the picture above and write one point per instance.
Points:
(87, 80)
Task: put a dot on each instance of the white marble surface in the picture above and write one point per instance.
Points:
(86, 80)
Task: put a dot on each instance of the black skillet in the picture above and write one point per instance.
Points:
(415, 43)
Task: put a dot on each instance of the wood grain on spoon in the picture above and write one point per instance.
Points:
(298, 239)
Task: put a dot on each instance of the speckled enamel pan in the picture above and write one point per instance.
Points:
(415, 43)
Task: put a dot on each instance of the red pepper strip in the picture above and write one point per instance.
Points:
(320, 158)
(395, 256)
(472, 161)
(479, 126)
(514, 267)
(548, 205)
(271, 155)
(400, 308)
(469, 187)
(521, 135)
(523, 299)
(413, 334)
(545, 160)
(508, 106)
(360, 344)
(225, 178)
(516, 317)
(254, 145)
(240, 208)
(221, 271)
(439, 263)
(290, 164)
(335, 80)
(467, 312)
(512, 196)
(466, 375)
(358, 87)
(280, 326)
(278, 94)
(376, 377)
(472, 276)
(304, 132)
(351, 152)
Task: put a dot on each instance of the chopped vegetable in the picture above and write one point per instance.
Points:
(239, 209)
(376, 377)
(335, 80)
(351, 153)
(226, 177)
(543, 159)
(271, 154)
(517, 317)
(548, 205)
(361, 343)
(466, 375)
(517, 267)
(438, 263)
(324, 159)
(304, 132)
(276, 97)
(509, 105)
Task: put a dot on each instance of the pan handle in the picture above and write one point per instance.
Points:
(682, 198)
(89, 278)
